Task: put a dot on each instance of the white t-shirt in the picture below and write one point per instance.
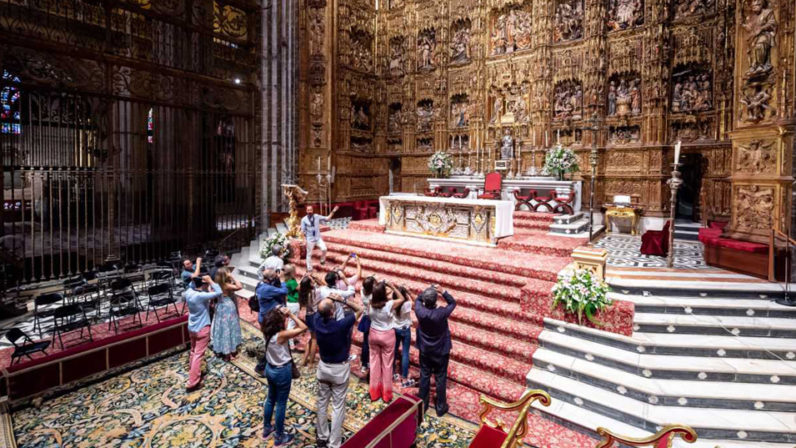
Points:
(381, 318)
(404, 319)
(365, 302)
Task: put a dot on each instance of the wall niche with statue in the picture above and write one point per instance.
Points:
(510, 29)
(692, 89)
(624, 95)
(460, 46)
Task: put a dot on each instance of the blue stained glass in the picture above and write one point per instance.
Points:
(9, 112)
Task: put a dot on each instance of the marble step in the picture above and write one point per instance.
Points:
(686, 344)
(707, 306)
(570, 228)
(731, 424)
(669, 392)
(771, 327)
(568, 219)
(708, 285)
(682, 366)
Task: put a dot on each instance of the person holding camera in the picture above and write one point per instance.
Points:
(190, 271)
(434, 343)
(334, 369)
(278, 370)
(310, 298)
(225, 330)
(311, 228)
(382, 339)
(269, 297)
(273, 261)
(198, 298)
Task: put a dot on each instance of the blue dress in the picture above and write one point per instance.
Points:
(225, 331)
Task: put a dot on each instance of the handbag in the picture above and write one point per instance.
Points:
(254, 302)
(295, 373)
(364, 324)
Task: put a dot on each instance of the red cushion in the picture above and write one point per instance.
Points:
(745, 246)
(487, 195)
(488, 437)
(718, 224)
(709, 236)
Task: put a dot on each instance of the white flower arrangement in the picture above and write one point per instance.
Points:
(560, 160)
(582, 294)
(440, 163)
(277, 239)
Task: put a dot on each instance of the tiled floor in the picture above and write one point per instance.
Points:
(625, 251)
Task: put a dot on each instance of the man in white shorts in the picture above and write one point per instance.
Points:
(311, 227)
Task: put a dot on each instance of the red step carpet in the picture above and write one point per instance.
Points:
(493, 339)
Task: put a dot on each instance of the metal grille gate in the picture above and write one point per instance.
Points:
(119, 172)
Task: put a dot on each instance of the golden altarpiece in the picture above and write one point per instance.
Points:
(398, 80)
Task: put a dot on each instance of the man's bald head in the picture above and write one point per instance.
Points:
(269, 274)
(326, 308)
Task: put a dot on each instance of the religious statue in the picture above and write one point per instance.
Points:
(460, 114)
(568, 20)
(426, 45)
(756, 102)
(635, 97)
(684, 8)
(396, 64)
(425, 113)
(520, 111)
(511, 32)
(761, 27)
(622, 99)
(624, 14)
(568, 100)
(612, 99)
(460, 45)
(692, 91)
(359, 117)
(317, 28)
(497, 110)
(295, 195)
(507, 146)
(316, 105)
(394, 120)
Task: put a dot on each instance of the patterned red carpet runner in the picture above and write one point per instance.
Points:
(493, 340)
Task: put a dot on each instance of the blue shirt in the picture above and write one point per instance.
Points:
(199, 307)
(433, 334)
(269, 297)
(311, 227)
(332, 336)
(186, 276)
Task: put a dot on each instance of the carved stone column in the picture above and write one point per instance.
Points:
(762, 142)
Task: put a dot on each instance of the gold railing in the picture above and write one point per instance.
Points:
(772, 242)
(668, 434)
(520, 427)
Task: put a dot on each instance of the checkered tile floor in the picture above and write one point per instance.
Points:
(625, 251)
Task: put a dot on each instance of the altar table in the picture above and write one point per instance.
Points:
(538, 183)
(475, 221)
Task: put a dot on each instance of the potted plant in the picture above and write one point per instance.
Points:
(581, 293)
(559, 161)
(440, 164)
(277, 239)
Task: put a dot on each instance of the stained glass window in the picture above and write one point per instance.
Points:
(150, 126)
(9, 100)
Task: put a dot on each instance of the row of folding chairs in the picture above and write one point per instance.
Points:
(119, 293)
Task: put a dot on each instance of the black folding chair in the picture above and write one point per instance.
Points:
(41, 309)
(123, 304)
(89, 296)
(69, 318)
(161, 295)
(26, 347)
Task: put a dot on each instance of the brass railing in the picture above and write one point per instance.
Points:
(772, 254)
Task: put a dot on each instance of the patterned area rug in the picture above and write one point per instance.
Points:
(148, 407)
(625, 251)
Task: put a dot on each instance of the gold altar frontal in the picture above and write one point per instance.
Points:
(467, 222)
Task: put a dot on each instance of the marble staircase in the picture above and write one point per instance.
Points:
(724, 365)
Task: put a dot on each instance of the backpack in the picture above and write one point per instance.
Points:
(254, 302)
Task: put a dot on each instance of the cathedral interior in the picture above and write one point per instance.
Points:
(136, 134)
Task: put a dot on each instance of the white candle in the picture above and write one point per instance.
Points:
(533, 141)
(329, 162)
(558, 137)
(677, 152)
(546, 134)
(319, 164)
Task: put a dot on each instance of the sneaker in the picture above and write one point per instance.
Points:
(284, 440)
(396, 377)
(408, 383)
(321, 443)
(352, 358)
(267, 431)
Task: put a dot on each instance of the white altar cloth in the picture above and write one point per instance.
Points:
(542, 184)
(502, 211)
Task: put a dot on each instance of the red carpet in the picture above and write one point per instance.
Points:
(99, 332)
(494, 340)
